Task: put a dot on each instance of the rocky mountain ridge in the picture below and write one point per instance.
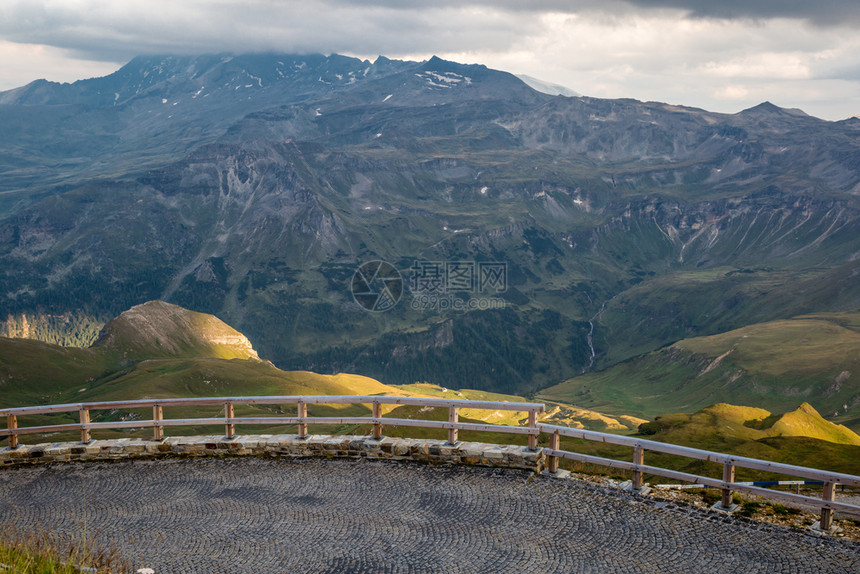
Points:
(152, 111)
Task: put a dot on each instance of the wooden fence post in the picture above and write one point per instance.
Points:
(157, 429)
(12, 424)
(229, 428)
(84, 417)
(453, 417)
(302, 413)
(377, 427)
(828, 495)
(533, 425)
(638, 458)
(728, 476)
(554, 443)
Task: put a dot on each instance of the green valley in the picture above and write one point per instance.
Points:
(775, 365)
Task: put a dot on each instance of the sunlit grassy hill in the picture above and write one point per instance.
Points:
(731, 422)
(556, 413)
(156, 329)
(800, 437)
(159, 350)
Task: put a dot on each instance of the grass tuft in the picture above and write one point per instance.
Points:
(779, 509)
(37, 551)
(748, 508)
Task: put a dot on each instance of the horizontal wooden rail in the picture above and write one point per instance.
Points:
(276, 400)
(718, 457)
(727, 485)
(302, 420)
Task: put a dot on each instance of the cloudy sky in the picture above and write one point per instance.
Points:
(722, 55)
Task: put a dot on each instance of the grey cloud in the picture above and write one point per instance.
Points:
(121, 30)
(819, 12)
(116, 31)
(844, 72)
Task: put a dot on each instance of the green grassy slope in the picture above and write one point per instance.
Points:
(33, 372)
(200, 377)
(690, 303)
(774, 365)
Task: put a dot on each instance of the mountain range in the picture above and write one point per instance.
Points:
(254, 187)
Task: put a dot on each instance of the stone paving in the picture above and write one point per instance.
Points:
(260, 515)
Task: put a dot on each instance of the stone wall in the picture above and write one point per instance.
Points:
(427, 450)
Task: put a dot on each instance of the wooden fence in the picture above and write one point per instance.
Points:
(531, 428)
(302, 420)
(727, 484)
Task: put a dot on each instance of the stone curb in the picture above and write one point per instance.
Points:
(348, 446)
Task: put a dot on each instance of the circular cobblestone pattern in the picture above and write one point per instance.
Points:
(319, 515)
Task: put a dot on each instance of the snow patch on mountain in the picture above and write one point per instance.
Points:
(444, 79)
(547, 87)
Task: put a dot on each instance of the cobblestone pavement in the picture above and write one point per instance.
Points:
(328, 515)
